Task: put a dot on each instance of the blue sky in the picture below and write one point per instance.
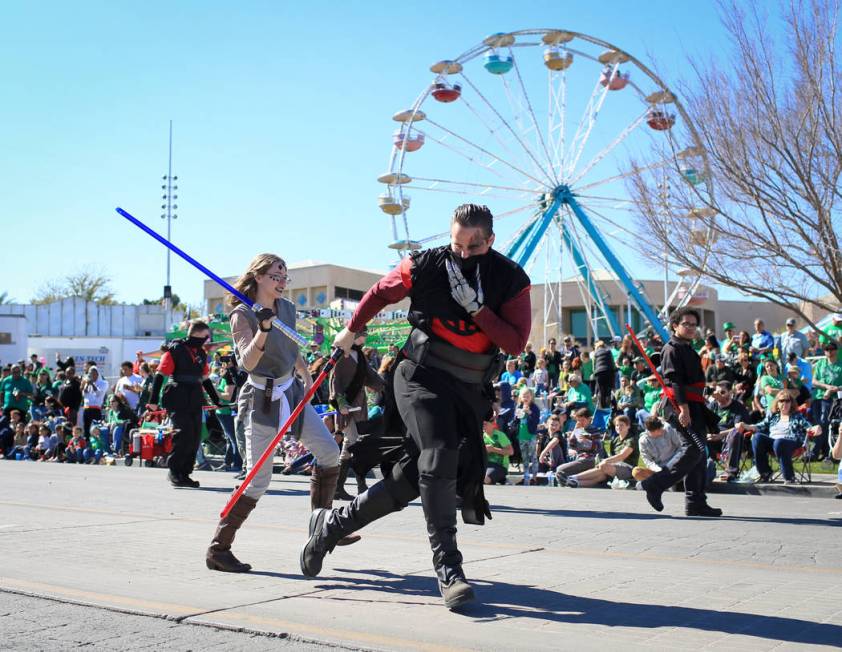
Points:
(281, 115)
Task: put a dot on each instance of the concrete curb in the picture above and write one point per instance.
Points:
(816, 489)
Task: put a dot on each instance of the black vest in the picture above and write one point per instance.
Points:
(434, 311)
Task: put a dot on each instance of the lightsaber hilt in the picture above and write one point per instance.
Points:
(277, 323)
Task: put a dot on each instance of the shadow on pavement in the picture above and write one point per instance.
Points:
(501, 600)
(633, 516)
(269, 492)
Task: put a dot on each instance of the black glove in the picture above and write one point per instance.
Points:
(262, 315)
(211, 391)
(157, 383)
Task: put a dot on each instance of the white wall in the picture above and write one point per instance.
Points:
(13, 328)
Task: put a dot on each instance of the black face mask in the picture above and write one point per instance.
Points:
(467, 265)
(196, 342)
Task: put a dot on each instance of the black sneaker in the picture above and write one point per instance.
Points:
(190, 482)
(702, 510)
(181, 481)
(313, 553)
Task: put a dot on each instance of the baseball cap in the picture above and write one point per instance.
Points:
(831, 346)
(616, 338)
(728, 325)
(792, 367)
(790, 321)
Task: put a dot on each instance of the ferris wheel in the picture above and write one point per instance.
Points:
(542, 125)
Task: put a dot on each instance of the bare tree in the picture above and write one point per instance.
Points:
(89, 284)
(756, 206)
(5, 299)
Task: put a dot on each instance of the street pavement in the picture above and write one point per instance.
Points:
(113, 558)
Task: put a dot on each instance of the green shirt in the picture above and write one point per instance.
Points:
(7, 388)
(498, 440)
(826, 372)
(775, 382)
(222, 387)
(581, 394)
(833, 331)
(587, 369)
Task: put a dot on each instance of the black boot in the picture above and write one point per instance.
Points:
(702, 509)
(329, 526)
(438, 497)
(340, 493)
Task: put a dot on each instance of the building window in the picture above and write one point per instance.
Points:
(6, 338)
(348, 293)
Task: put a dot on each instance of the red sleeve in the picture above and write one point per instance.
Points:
(390, 289)
(167, 366)
(206, 370)
(510, 329)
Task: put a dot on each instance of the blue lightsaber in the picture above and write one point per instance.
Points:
(291, 333)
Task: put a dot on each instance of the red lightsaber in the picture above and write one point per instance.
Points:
(654, 370)
(270, 449)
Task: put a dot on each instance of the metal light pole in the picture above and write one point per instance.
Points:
(168, 197)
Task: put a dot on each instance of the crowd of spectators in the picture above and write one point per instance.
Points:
(563, 415)
(581, 418)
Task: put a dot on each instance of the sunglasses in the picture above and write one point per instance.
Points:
(785, 400)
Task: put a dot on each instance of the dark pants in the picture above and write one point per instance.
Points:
(89, 415)
(233, 457)
(690, 464)
(443, 419)
(604, 387)
(783, 450)
(188, 430)
(821, 410)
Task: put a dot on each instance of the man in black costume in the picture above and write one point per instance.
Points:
(186, 363)
(685, 381)
(467, 302)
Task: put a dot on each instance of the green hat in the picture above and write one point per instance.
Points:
(728, 325)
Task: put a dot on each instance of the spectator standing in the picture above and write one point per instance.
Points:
(540, 378)
(528, 360)
(41, 392)
(525, 424)
(730, 347)
(554, 360)
(762, 341)
(604, 371)
(498, 448)
(569, 350)
(93, 395)
(16, 391)
(129, 386)
(70, 395)
(792, 341)
(586, 369)
(827, 381)
(834, 331)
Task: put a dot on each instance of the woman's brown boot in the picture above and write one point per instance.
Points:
(322, 490)
(219, 556)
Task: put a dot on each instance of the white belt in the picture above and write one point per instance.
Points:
(279, 387)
